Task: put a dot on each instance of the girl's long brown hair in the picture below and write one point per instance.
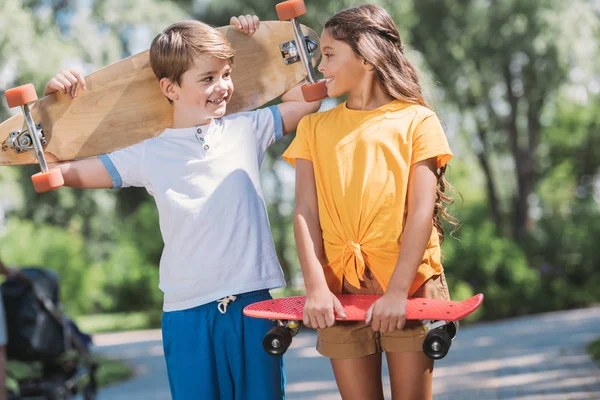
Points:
(372, 34)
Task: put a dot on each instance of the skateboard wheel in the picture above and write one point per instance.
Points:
(20, 95)
(314, 91)
(452, 329)
(290, 9)
(436, 344)
(277, 341)
(46, 181)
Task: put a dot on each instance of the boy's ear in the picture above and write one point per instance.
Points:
(169, 89)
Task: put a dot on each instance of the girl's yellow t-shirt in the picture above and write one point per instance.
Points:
(362, 160)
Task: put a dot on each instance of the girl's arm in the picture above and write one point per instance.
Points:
(389, 312)
(320, 302)
(292, 107)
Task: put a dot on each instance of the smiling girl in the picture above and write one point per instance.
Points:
(369, 196)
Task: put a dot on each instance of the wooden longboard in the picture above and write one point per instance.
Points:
(356, 306)
(123, 104)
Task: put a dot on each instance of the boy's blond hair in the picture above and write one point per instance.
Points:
(173, 51)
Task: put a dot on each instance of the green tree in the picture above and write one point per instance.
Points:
(88, 37)
(501, 64)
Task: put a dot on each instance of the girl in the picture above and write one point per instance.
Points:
(369, 191)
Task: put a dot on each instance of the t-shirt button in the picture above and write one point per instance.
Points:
(201, 139)
(199, 130)
(206, 147)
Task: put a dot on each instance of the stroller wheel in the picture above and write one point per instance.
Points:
(91, 388)
(58, 393)
(89, 392)
(10, 395)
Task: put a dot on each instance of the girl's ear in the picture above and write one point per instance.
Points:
(169, 89)
(367, 66)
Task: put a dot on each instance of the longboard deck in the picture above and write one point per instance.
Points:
(356, 306)
(123, 104)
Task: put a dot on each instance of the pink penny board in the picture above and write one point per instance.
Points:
(356, 306)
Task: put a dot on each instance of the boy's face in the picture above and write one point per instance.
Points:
(206, 88)
(342, 68)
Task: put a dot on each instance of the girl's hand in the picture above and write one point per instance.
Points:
(66, 81)
(319, 309)
(245, 23)
(388, 313)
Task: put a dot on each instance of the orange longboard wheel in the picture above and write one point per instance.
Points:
(315, 91)
(20, 95)
(290, 9)
(46, 181)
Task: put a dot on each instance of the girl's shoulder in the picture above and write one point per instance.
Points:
(311, 120)
(329, 113)
(412, 111)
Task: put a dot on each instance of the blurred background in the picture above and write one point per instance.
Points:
(516, 84)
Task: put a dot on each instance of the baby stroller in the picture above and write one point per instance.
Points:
(40, 333)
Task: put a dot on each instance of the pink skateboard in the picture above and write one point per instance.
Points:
(439, 317)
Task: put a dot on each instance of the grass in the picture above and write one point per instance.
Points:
(110, 371)
(287, 292)
(594, 350)
(118, 322)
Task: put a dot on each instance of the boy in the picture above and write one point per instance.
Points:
(219, 255)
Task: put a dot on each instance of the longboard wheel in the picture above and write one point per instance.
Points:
(314, 91)
(290, 9)
(20, 95)
(46, 181)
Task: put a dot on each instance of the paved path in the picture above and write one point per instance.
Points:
(539, 357)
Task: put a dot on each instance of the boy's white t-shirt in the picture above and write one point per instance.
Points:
(213, 218)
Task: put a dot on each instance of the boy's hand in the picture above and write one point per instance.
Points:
(245, 23)
(66, 81)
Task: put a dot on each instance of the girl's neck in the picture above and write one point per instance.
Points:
(368, 95)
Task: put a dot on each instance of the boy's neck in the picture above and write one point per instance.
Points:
(187, 119)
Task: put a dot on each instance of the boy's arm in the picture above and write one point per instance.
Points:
(82, 174)
(89, 173)
(293, 108)
(67, 81)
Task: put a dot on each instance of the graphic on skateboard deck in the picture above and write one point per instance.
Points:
(439, 317)
(123, 103)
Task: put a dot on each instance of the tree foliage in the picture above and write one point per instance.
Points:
(515, 82)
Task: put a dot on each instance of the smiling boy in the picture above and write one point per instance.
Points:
(203, 173)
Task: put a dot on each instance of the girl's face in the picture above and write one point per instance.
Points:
(342, 68)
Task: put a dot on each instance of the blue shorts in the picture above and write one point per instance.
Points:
(211, 355)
